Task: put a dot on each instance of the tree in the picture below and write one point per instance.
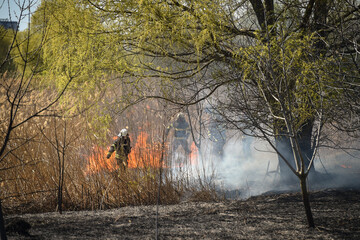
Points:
(296, 88)
(194, 49)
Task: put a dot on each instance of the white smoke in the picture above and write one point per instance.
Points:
(248, 165)
(337, 168)
(256, 171)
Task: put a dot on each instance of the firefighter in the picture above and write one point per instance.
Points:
(122, 148)
(181, 133)
(217, 135)
(216, 132)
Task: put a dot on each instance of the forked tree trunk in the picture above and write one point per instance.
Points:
(306, 201)
(287, 176)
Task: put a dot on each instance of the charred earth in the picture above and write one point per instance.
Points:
(269, 216)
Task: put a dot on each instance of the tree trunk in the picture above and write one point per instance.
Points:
(60, 190)
(2, 225)
(306, 201)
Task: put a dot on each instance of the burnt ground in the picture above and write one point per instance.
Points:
(271, 216)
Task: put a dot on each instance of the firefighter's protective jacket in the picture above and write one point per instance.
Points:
(181, 128)
(121, 147)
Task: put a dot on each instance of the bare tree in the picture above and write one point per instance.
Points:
(18, 88)
(60, 139)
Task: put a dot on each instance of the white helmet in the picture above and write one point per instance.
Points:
(123, 133)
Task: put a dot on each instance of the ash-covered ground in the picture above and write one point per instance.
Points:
(270, 216)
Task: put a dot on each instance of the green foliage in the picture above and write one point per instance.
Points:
(6, 38)
(164, 28)
(27, 52)
(175, 40)
(72, 50)
(294, 83)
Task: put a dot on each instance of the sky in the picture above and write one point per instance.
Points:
(13, 5)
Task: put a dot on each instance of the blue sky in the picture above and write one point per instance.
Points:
(13, 5)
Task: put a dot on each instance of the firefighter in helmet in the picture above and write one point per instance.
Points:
(217, 136)
(181, 133)
(122, 148)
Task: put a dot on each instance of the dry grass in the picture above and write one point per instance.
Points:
(44, 147)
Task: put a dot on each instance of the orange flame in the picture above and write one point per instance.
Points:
(97, 161)
(194, 154)
(344, 166)
(145, 154)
